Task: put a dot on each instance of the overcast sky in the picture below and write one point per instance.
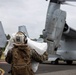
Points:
(31, 13)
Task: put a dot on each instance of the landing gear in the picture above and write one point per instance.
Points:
(69, 62)
(55, 62)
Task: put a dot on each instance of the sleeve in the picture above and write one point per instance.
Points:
(39, 58)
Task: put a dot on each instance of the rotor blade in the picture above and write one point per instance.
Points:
(70, 4)
(70, 0)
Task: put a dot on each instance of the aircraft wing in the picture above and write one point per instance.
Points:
(3, 39)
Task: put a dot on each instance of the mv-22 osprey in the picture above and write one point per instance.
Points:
(61, 39)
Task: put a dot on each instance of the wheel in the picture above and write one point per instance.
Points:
(54, 62)
(69, 62)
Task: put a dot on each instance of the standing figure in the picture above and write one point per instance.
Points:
(19, 56)
(28, 50)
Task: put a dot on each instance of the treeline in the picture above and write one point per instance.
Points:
(8, 36)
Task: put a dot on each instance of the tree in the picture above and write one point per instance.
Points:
(41, 36)
(8, 37)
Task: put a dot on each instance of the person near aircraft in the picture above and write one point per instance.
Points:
(20, 56)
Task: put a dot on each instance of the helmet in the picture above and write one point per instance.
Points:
(20, 38)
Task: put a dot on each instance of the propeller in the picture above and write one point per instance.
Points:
(69, 4)
(70, 0)
(63, 2)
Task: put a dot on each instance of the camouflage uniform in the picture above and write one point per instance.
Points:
(39, 58)
(21, 61)
(20, 56)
